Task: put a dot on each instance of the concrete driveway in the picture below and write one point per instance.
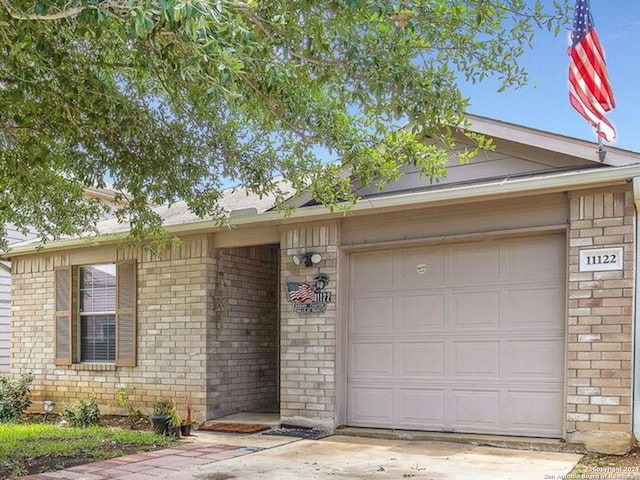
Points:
(364, 458)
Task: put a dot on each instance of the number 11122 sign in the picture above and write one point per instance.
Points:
(601, 259)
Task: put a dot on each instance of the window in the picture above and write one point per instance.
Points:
(95, 314)
(97, 311)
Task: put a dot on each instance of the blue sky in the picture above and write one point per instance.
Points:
(544, 102)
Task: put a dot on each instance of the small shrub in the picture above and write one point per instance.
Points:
(124, 401)
(14, 397)
(164, 406)
(175, 420)
(85, 413)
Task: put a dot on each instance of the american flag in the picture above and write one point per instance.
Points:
(300, 292)
(589, 89)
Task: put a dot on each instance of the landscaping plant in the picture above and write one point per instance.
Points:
(163, 411)
(124, 400)
(85, 413)
(14, 397)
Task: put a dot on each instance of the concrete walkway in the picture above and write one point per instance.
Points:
(347, 458)
(226, 456)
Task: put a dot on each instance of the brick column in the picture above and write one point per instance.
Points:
(599, 374)
(308, 340)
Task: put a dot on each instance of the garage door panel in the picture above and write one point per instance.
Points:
(481, 350)
(370, 314)
(532, 308)
(371, 359)
(536, 259)
(531, 411)
(371, 271)
(420, 313)
(371, 406)
(475, 359)
(476, 310)
(420, 268)
(423, 407)
(549, 355)
(421, 359)
(471, 409)
(475, 264)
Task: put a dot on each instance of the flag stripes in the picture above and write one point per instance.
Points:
(589, 88)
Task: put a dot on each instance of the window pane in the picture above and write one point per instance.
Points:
(98, 338)
(98, 288)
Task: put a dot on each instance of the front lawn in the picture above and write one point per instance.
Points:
(34, 448)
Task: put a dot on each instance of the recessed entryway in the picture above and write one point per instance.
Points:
(243, 331)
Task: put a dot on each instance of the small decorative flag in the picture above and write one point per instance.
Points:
(300, 292)
(589, 89)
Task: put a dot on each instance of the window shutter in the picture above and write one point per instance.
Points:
(63, 334)
(126, 314)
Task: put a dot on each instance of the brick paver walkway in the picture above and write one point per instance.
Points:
(142, 466)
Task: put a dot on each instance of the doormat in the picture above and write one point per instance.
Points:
(306, 433)
(235, 427)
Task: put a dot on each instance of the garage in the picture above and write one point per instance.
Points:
(459, 337)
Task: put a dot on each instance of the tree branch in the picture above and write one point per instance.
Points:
(256, 21)
(14, 13)
(274, 109)
(64, 14)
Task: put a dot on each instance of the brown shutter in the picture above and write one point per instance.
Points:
(63, 332)
(126, 314)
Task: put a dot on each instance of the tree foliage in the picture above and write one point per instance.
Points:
(165, 100)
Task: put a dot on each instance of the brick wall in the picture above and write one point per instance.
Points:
(171, 330)
(599, 375)
(308, 341)
(242, 333)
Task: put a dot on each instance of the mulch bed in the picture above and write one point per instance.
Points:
(235, 427)
(306, 433)
(121, 421)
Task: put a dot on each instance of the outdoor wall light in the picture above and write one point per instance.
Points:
(47, 408)
(307, 259)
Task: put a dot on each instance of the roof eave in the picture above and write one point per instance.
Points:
(532, 137)
(458, 194)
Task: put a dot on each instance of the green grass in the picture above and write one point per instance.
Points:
(24, 448)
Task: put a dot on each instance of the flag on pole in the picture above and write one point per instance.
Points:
(589, 89)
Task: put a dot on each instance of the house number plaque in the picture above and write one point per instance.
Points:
(601, 259)
(310, 297)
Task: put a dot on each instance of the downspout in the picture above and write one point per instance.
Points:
(636, 317)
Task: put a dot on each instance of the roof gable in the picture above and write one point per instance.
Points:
(519, 152)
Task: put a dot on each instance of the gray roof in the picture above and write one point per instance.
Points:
(232, 199)
(179, 213)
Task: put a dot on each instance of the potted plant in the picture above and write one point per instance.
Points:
(174, 422)
(185, 428)
(162, 414)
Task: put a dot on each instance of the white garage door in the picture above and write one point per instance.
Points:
(466, 337)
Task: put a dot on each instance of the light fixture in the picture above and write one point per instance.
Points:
(47, 408)
(307, 259)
